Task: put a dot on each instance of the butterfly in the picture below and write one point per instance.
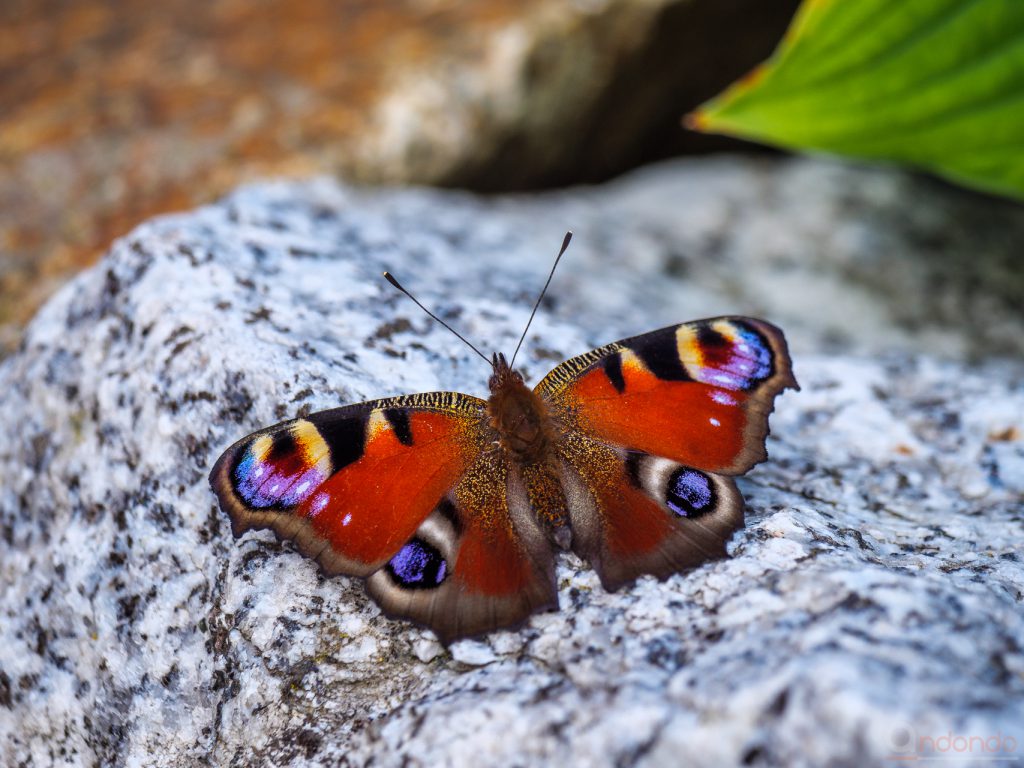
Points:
(452, 508)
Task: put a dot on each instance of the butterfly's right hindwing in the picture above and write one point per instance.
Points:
(634, 514)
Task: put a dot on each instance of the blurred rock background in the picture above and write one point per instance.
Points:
(113, 112)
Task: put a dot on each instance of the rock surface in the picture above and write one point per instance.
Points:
(873, 600)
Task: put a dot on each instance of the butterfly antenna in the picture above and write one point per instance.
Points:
(391, 279)
(565, 244)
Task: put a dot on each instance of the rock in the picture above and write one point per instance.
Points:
(120, 112)
(873, 602)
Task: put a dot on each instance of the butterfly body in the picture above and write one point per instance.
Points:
(453, 507)
(518, 415)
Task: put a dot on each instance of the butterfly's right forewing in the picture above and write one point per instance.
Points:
(698, 393)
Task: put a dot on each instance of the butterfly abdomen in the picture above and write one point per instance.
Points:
(525, 430)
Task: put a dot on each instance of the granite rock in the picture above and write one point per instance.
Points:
(873, 602)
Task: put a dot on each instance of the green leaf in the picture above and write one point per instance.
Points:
(937, 84)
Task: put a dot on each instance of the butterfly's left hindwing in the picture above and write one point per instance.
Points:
(502, 566)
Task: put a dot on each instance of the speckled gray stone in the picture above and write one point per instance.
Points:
(874, 600)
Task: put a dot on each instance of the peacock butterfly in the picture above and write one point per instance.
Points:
(452, 507)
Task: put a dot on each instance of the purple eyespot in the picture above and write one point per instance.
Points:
(275, 483)
(690, 493)
(738, 363)
(418, 565)
(759, 355)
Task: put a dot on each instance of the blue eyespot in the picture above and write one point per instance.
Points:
(418, 565)
(690, 493)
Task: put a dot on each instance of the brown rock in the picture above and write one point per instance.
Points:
(110, 113)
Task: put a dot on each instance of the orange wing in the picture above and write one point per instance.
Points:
(653, 426)
(404, 492)
(634, 514)
(697, 393)
(502, 563)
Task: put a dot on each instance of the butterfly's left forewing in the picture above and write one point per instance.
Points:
(653, 426)
(405, 492)
(351, 485)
